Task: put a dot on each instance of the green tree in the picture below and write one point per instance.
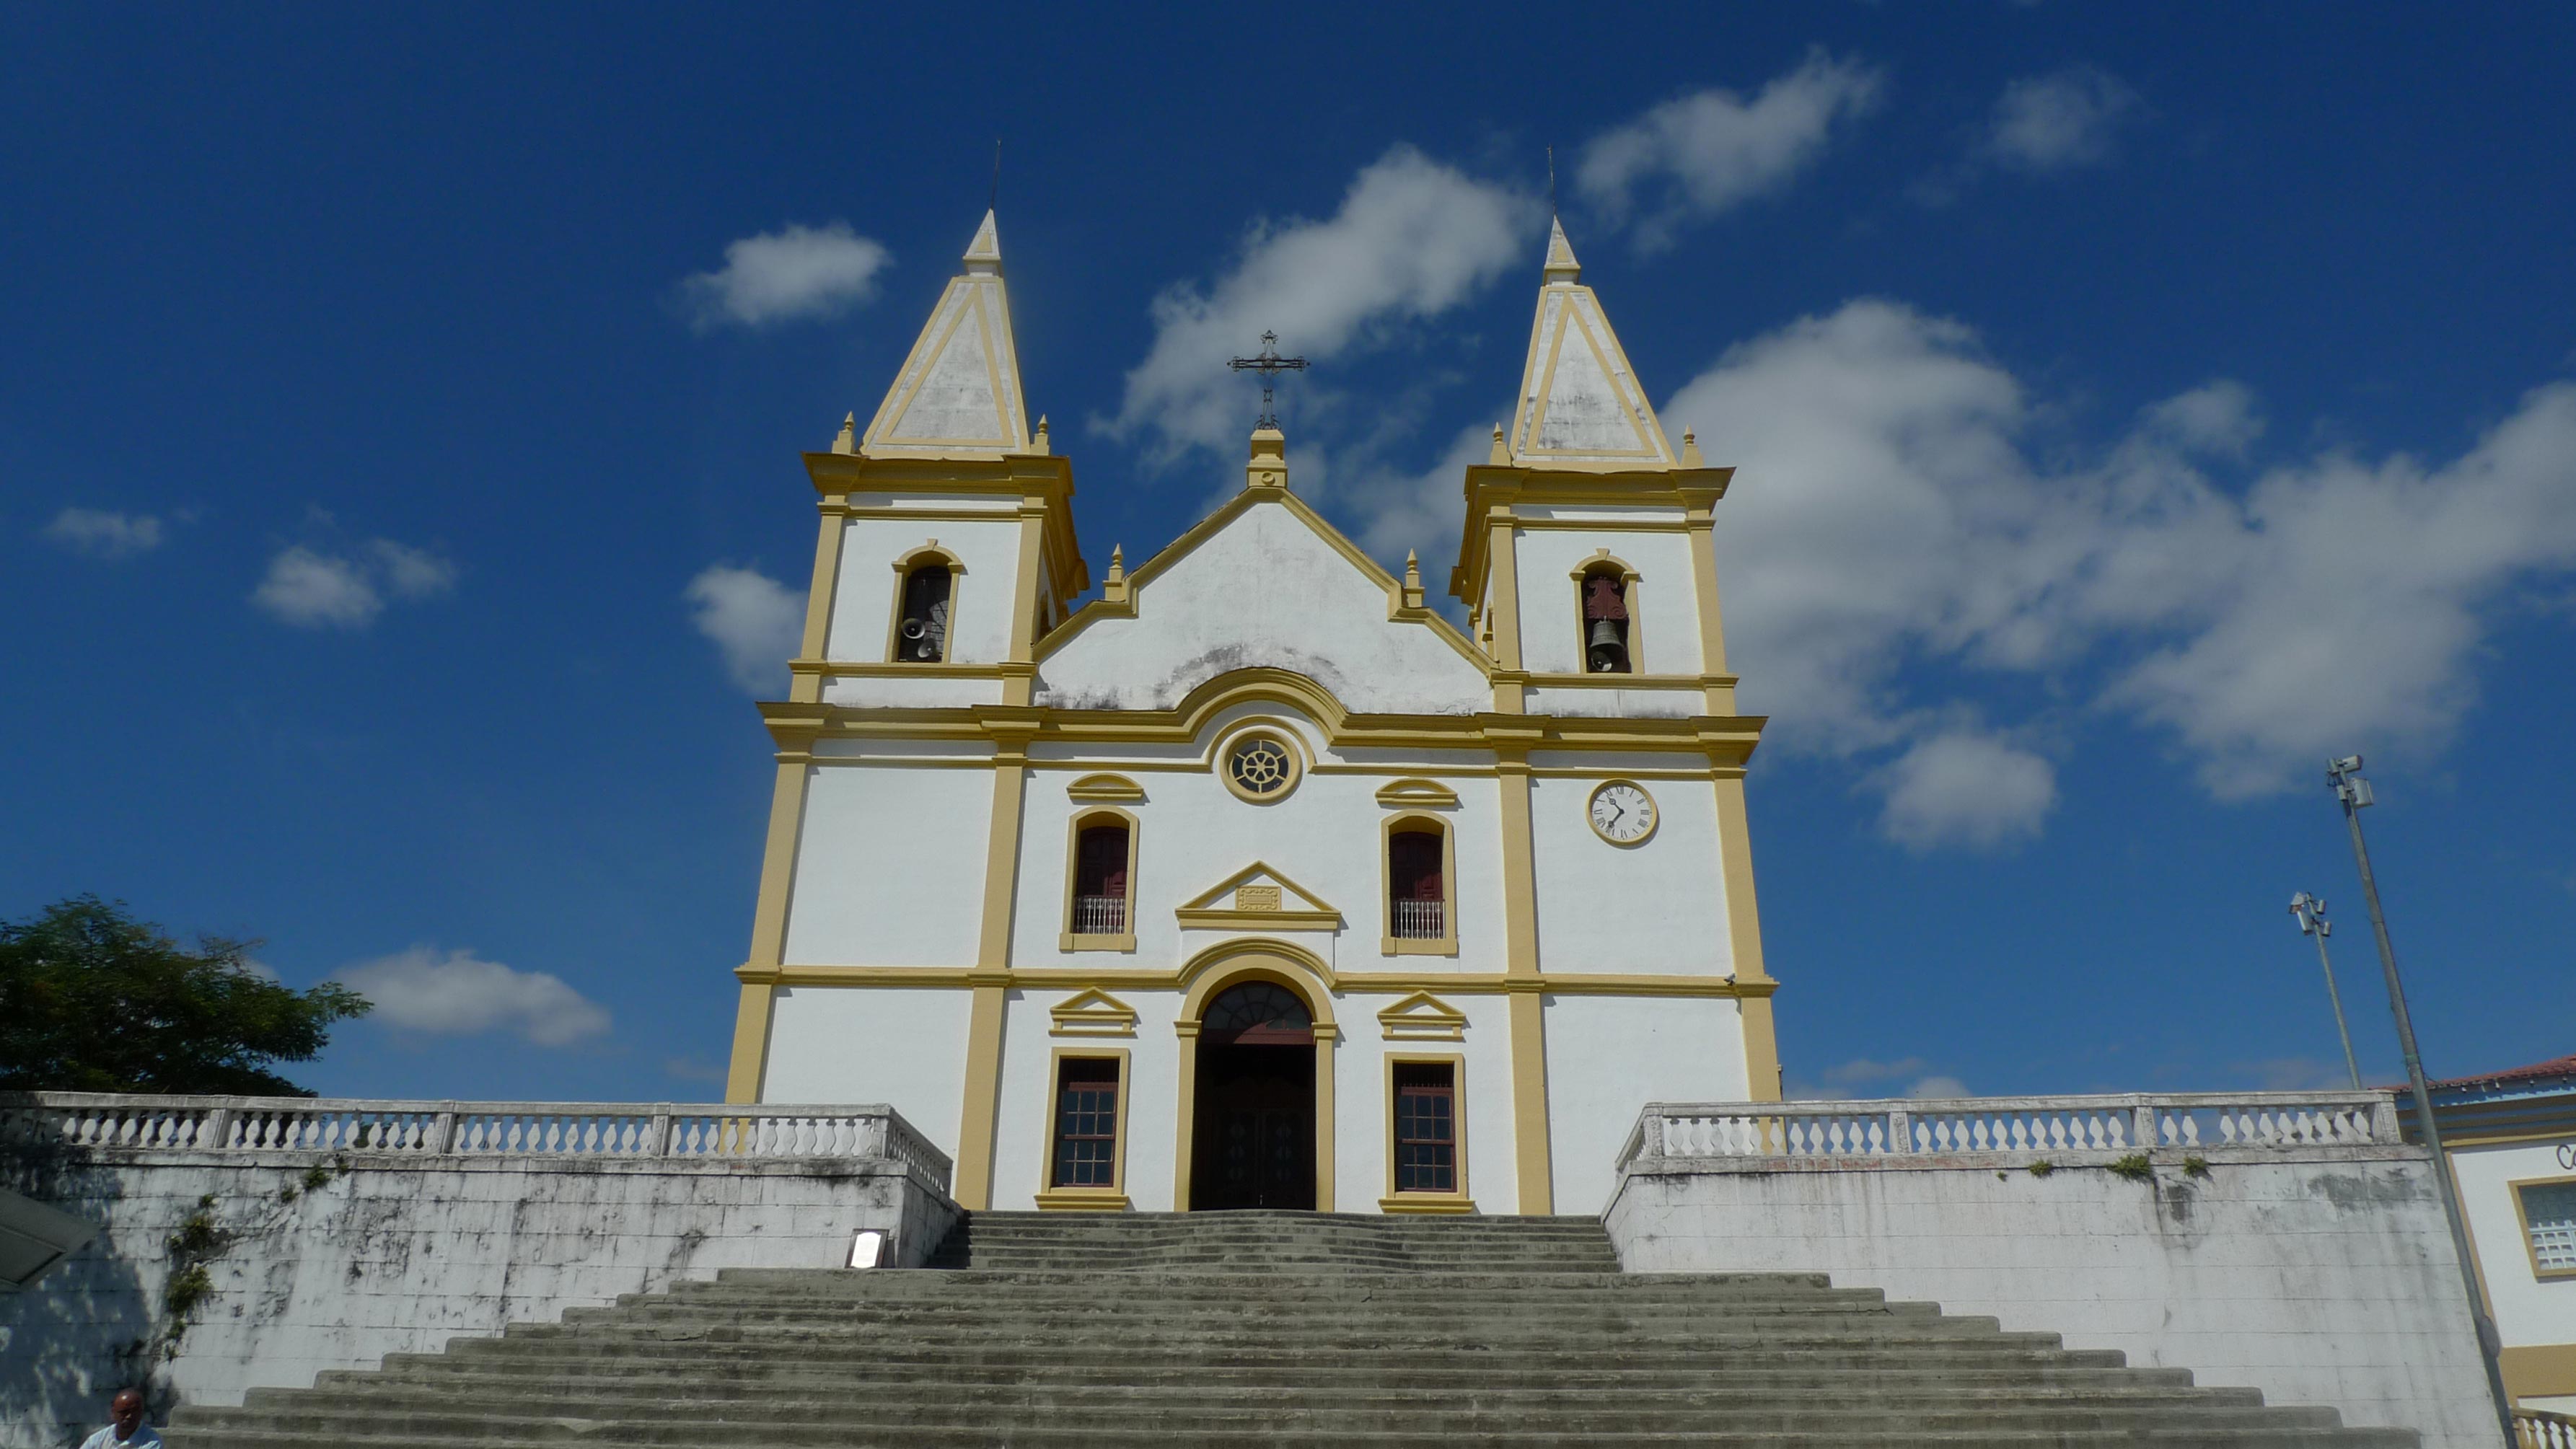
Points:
(93, 1000)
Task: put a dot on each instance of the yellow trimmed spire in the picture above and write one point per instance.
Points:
(958, 393)
(1581, 405)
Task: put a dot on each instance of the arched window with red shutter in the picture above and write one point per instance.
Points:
(1101, 913)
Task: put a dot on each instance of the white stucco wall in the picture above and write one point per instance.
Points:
(979, 609)
(891, 868)
(901, 1045)
(1666, 625)
(1023, 1137)
(1658, 907)
(1265, 590)
(1192, 833)
(392, 1256)
(2530, 1311)
(2319, 1277)
(1366, 1116)
(1608, 1056)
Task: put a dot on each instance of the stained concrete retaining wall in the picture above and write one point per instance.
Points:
(2321, 1275)
(388, 1254)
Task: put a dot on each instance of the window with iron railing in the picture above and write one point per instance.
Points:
(1418, 904)
(1100, 889)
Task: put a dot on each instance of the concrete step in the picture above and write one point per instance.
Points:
(1159, 1331)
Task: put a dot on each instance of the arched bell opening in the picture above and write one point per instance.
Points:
(1255, 1100)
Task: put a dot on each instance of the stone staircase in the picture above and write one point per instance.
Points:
(1287, 1330)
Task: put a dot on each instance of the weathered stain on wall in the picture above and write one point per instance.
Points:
(333, 1263)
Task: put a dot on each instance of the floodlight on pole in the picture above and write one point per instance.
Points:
(2353, 792)
(2312, 922)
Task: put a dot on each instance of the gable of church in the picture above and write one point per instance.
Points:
(1264, 583)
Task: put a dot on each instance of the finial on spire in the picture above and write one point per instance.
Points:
(1113, 589)
(1412, 580)
(1551, 183)
(848, 440)
(1690, 450)
(1502, 451)
(1561, 265)
(1039, 443)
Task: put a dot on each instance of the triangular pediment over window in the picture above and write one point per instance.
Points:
(1258, 898)
(1423, 1017)
(1093, 1013)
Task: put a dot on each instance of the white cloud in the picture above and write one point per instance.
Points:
(794, 272)
(1418, 511)
(1703, 153)
(1888, 514)
(2059, 121)
(101, 534)
(1413, 238)
(1845, 1082)
(410, 572)
(755, 620)
(1964, 788)
(459, 994)
(315, 590)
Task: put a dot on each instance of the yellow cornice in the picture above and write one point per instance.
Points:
(1041, 484)
(1727, 740)
(1088, 977)
(1497, 491)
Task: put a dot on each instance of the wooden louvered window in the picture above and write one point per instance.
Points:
(1426, 1127)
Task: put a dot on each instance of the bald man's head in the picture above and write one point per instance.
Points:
(125, 1411)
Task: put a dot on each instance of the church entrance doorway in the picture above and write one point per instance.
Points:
(1255, 1114)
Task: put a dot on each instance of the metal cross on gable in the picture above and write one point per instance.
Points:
(1269, 364)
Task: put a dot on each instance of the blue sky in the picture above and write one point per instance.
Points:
(399, 410)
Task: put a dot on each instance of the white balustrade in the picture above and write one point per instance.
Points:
(2023, 1126)
(1100, 915)
(1420, 920)
(320, 1126)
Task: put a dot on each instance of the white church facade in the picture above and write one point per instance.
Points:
(1254, 881)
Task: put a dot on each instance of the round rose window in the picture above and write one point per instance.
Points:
(1260, 768)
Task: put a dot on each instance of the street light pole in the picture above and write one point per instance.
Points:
(2353, 792)
(2312, 922)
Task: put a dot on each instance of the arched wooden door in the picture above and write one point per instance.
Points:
(1255, 1112)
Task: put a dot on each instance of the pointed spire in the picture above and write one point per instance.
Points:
(1501, 453)
(1580, 405)
(1113, 589)
(847, 440)
(958, 394)
(1039, 444)
(984, 253)
(1561, 265)
(1412, 580)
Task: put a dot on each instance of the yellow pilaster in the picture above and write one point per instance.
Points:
(1744, 935)
(1018, 687)
(808, 688)
(991, 977)
(1327, 1037)
(1720, 698)
(768, 927)
(1521, 981)
(1503, 572)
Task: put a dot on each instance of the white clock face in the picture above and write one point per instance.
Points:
(1623, 813)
